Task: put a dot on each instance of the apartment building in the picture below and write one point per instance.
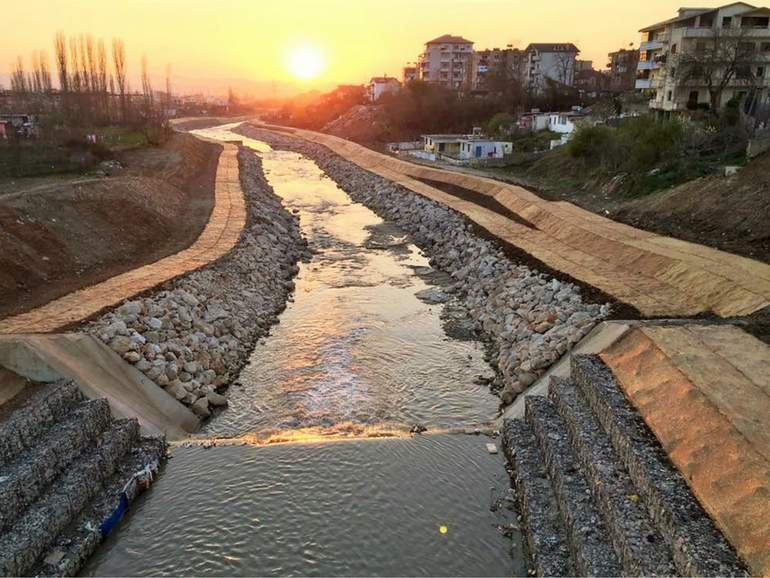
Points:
(676, 54)
(621, 70)
(488, 65)
(447, 60)
(550, 62)
(408, 74)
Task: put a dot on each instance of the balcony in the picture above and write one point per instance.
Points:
(742, 33)
(648, 65)
(652, 45)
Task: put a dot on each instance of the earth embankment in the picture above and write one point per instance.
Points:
(59, 234)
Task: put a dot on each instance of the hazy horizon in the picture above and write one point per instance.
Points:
(244, 44)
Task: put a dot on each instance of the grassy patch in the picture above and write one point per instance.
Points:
(118, 138)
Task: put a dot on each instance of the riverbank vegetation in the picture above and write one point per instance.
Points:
(89, 116)
(640, 155)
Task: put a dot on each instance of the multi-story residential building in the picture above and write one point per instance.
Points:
(589, 81)
(380, 85)
(698, 41)
(408, 74)
(506, 63)
(550, 62)
(447, 60)
(584, 65)
(621, 70)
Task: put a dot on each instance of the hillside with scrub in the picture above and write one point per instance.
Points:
(666, 176)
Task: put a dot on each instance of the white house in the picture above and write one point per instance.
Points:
(380, 85)
(564, 122)
(534, 121)
(482, 148)
(443, 143)
(460, 148)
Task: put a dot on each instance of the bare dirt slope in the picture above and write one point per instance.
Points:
(67, 234)
(363, 124)
(730, 213)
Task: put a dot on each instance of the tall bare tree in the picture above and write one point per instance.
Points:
(727, 57)
(63, 70)
(20, 82)
(45, 71)
(565, 68)
(119, 65)
(146, 89)
(41, 73)
(35, 79)
(101, 73)
(167, 98)
(76, 79)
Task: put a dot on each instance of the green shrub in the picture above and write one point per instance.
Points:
(591, 143)
(647, 142)
(638, 144)
(500, 124)
(533, 141)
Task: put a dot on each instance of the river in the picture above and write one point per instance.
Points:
(320, 475)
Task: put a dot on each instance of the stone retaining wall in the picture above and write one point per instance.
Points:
(193, 335)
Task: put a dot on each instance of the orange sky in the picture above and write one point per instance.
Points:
(217, 42)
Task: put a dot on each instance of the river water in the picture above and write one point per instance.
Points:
(356, 356)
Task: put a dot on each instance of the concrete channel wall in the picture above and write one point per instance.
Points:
(99, 373)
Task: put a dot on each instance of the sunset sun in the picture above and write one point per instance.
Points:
(306, 63)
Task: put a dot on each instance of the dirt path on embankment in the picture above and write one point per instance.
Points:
(68, 234)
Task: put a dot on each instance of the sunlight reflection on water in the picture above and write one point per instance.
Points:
(356, 356)
(356, 345)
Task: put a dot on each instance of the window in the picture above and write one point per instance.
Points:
(755, 22)
(742, 71)
(692, 100)
(727, 21)
(765, 47)
(669, 95)
(673, 49)
(760, 71)
(746, 48)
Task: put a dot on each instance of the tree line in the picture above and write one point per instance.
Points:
(93, 87)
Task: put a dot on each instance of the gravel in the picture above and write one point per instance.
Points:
(529, 319)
